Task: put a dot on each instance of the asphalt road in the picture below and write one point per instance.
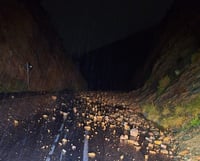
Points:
(71, 130)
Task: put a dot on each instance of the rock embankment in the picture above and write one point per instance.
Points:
(120, 110)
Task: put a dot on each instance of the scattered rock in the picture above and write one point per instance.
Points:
(54, 98)
(133, 142)
(150, 145)
(184, 152)
(91, 155)
(164, 151)
(16, 123)
(134, 132)
(158, 142)
(123, 137)
(87, 128)
(45, 116)
(163, 146)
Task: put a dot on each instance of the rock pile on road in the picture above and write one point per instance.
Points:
(135, 131)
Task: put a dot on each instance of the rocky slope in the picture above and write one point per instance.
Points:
(25, 38)
(171, 96)
(175, 76)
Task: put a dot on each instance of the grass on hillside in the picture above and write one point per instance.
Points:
(181, 116)
(163, 84)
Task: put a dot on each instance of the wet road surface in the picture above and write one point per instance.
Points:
(76, 129)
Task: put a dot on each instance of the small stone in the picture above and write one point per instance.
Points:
(102, 124)
(166, 140)
(91, 155)
(64, 151)
(137, 148)
(123, 137)
(157, 142)
(63, 104)
(150, 133)
(161, 133)
(184, 152)
(107, 139)
(150, 145)
(94, 118)
(164, 151)
(87, 128)
(45, 116)
(44, 147)
(16, 123)
(156, 133)
(126, 127)
(152, 152)
(87, 137)
(64, 141)
(112, 126)
(134, 132)
(99, 118)
(119, 119)
(73, 147)
(54, 98)
(148, 139)
(170, 153)
(121, 157)
(146, 157)
(161, 137)
(163, 146)
(75, 110)
(152, 138)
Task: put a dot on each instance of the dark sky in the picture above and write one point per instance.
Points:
(88, 24)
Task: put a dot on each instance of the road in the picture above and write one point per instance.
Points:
(70, 129)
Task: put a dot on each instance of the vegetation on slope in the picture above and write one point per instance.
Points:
(172, 93)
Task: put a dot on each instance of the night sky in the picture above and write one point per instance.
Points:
(90, 24)
(94, 27)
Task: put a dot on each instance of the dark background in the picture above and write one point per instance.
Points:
(90, 24)
(109, 40)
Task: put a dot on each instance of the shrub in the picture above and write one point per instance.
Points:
(184, 115)
(152, 112)
(195, 122)
(163, 84)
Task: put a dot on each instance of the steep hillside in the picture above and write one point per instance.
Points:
(23, 39)
(171, 96)
(175, 78)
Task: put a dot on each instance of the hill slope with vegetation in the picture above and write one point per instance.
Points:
(26, 38)
(171, 96)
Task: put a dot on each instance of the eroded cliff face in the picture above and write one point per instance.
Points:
(179, 41)
(171, 96)
(22, 40)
